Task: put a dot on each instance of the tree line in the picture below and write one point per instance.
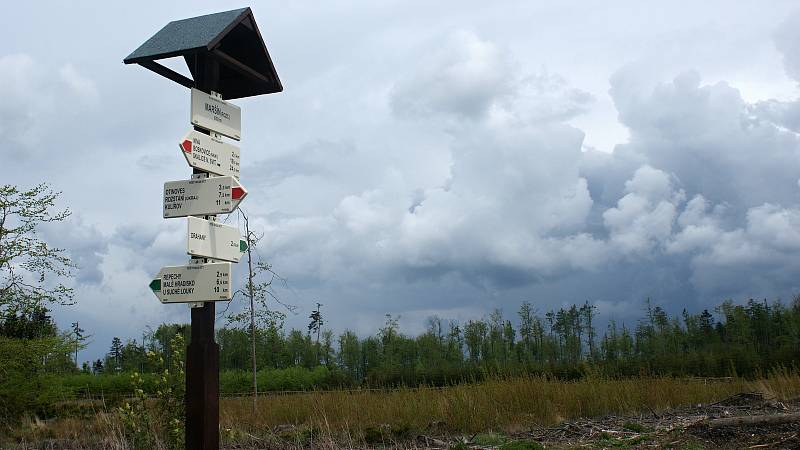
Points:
(736, 339)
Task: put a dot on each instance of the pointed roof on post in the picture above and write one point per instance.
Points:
(231, 38)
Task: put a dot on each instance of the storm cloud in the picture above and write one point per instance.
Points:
(416, 166)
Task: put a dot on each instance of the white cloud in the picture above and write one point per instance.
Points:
(83, 87)
(460, 75)
(643, 219)
(465, 77)
(787, 39)
(708, 138)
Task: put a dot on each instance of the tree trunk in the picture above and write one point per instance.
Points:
(252, 312)
(772, 419)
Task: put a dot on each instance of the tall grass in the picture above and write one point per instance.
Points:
(492, 405)
(348, 417)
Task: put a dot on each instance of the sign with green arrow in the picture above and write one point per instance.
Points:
(214, 240)
(193, 283)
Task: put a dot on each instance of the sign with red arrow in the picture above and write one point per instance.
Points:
(202, 196)
(210, 154)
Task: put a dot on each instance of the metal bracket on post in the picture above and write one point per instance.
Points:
(195, 304)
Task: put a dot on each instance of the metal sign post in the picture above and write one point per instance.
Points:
(228, 60)
(202, 354)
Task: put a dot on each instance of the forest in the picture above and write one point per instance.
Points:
(737, 339)
(734, 340)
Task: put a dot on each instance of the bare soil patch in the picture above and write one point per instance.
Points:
(777, 426)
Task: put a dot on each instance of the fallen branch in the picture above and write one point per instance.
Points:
(437, 442)
(773, 444)
(773, 419)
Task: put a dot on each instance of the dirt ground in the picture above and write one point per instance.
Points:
(688, 428)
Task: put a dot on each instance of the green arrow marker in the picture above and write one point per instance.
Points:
(242, 246)
(155, 285)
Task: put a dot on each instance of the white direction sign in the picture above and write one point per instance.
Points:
(209, 154)
(214, 240)
(202, 196)
(191, 283)
(215, 114)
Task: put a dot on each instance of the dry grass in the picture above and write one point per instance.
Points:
(491, 405)
(103, 431)
(509, 405)
(351, 417)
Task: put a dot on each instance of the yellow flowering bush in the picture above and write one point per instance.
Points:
(154, 417)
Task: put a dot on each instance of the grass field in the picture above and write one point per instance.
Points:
(492, 405)
(360, 418)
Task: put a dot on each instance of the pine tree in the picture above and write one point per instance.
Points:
(115, 354)
(316, 325)
(78, 339)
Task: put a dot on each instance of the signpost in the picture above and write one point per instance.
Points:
(202, 196)
(210, 154)
(214, 240)
(193, 283)
(227, 59)
(214, 114)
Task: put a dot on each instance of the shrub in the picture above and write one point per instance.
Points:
(146, 425)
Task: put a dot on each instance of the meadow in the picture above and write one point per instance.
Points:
(397, 417)
(484, 376)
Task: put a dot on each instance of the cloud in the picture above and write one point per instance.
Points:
(508, 208)
(787, 40)
(466, 77)
(521, 205)
(709, 138)
(429, 170)
(83, 242)
(82, 86)
(738, 164)
(20, 86)
(462, 76)
(643, 219)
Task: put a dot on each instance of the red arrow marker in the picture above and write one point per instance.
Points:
(187, 146)
(237, 192)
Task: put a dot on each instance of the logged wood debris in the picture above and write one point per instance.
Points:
(749, 420)
(745, 420)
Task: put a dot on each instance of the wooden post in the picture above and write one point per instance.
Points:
(202, 354)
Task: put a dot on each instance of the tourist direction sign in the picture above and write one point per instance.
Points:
(202, 196)
(214, 240)
(209, 154)
(199, 282)
(215, 114)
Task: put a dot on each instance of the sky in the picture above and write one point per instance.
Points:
(430, 158)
